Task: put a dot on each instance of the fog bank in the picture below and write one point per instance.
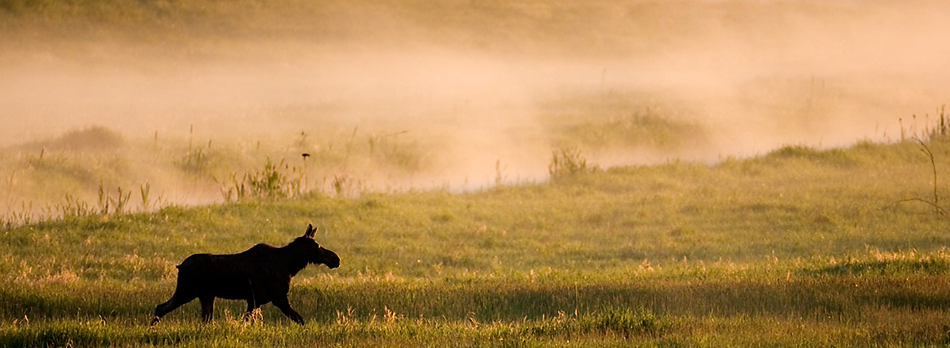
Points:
(474, 84)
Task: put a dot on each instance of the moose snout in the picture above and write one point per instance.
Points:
(334, 264)
(332, 260)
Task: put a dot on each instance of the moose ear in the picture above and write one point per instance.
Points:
(310, 232)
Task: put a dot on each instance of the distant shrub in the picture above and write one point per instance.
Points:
(194, 161)
(831, 156)
(566, 162)
(794, 151)
(268, 183)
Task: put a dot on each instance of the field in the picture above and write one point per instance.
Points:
(492, 173)
(798, 247)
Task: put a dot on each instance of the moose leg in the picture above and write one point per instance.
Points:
(176, 301)
(284, 305)
(207, 307)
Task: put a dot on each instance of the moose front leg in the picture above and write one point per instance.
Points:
(207, 308)
(284, 305)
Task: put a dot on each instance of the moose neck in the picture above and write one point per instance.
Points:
(295, 260)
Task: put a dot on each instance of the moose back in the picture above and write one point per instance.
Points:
(259, 275)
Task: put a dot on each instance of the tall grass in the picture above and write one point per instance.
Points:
(844, 311)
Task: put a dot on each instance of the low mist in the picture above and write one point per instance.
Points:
(480, 92)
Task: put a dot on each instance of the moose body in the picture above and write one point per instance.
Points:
(258, 275)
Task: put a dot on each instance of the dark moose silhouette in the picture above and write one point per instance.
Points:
(259, 275)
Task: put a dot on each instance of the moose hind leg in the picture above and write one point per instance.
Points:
(284, 305)
(176, 301)
(207, 308)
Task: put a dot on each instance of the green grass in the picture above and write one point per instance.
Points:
(799, 247)
(903, 311)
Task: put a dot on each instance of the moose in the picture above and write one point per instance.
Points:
(259, 275)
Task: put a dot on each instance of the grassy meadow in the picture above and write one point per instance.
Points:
(491, 173)
(798, 247)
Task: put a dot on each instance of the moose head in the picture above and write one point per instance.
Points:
(311, 251)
